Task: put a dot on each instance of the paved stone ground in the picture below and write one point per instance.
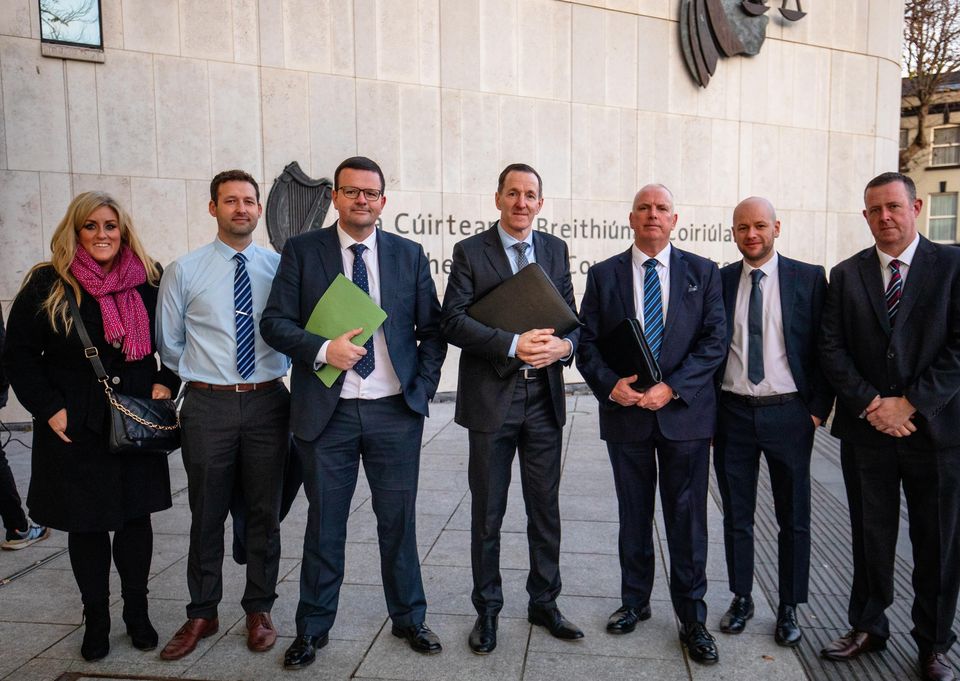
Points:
(40, 606)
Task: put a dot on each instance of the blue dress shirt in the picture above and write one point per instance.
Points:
(196, 327)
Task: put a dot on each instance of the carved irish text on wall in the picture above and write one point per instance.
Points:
(710, 29)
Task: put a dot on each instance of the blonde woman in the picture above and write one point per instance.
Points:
(76, 484)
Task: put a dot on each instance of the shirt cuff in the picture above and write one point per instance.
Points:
(512, 352)
(321, 356)
(567, 356)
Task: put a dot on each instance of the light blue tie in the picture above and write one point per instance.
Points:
(364, 367)
(652, 308)
(243, 312)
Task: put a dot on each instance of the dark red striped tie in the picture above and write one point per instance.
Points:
(894, 289)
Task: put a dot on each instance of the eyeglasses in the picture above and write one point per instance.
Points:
(354, 192)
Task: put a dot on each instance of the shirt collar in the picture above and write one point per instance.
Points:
(768, 268)
(906, 257)
(227, 252)
(346, 241)
(508, 241)
(662, 258)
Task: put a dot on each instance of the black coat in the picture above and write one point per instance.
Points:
(80, 486)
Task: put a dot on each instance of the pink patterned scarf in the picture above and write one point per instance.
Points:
(124, 314)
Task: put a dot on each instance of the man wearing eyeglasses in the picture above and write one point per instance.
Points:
(374, 411)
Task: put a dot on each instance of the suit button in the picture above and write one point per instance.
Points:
(893, 387)
(890, 355)
(115, 380)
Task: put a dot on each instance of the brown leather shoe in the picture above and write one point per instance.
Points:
(934, 667)
(185, 640)
(851, 644)
(260, 632)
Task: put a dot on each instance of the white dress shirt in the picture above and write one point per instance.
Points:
(663, 273)
(382, 381)
(905, 259)
(777, 377)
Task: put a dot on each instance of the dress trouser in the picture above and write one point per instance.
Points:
(11, 509)
(386, 434)
(684, 472)
(783, 433)
(229, 436)
(530, 429)
(931, 485)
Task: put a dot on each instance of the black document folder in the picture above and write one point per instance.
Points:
(625, 350)
(527, 300)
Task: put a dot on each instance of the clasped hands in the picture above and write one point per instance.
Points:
(540, 348)
(653, 398)
(892, 415)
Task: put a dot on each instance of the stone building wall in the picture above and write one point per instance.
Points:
(444, 93)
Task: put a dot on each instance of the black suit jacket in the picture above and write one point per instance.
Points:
(919, 358)
(479, 265)
(803, 293)
(693, 346)
(309, 264)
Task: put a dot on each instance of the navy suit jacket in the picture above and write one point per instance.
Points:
(918, 358)
(803, 293)
(480, 265)
(693, 346)
(309, 264)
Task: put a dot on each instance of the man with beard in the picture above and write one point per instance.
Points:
(235, 413)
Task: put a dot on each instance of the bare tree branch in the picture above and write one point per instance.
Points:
(931, 51)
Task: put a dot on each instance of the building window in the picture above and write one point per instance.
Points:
(943, 217)
(71, 22)
(904, 139)
(946, 146)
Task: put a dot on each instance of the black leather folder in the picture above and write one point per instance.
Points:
(625, 350)
(527, 300)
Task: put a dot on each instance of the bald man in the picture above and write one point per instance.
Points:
(664, 431)
(773, 397)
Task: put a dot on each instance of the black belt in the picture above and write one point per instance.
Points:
(762, 401)
(532, 374)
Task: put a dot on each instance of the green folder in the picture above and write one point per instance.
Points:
(342, 307)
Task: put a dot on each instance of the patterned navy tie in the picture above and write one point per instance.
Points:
(243, 313)
(365, 366)
(894, 289)
(652, 308)
(755, 330)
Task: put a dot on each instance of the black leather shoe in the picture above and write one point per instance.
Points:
(420, 638)
(701, 646)
(735, 618)
(934, 667)
(788, 631)
(558, 625)
(303, 651)
(625, 619)
(483, 638)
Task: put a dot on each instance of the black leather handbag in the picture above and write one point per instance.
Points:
(136, 424)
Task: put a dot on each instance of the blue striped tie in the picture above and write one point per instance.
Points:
(652, 308)
(243, 312)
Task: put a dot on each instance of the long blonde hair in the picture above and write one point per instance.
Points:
(63, 246)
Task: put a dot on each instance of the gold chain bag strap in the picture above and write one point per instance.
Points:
(136, 424)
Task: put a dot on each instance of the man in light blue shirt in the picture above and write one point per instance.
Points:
(235, 414)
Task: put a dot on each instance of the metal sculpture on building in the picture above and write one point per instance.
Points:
(297, 204)
(710, 29)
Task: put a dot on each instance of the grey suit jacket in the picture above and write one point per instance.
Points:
(479, 265)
